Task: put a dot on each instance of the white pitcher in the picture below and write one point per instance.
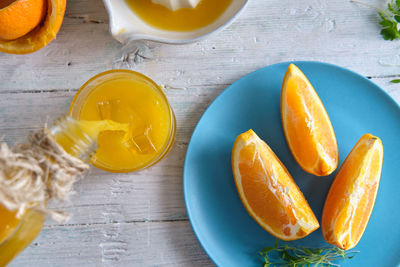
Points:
(126, 26)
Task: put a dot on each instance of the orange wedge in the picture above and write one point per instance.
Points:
(308, 130)
(20, 17)
(351, 197)
(40, 36)
(267, 190)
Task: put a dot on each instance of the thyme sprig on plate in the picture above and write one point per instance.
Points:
(286, 255)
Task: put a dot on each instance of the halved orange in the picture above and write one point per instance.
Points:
(20, 17)
(351, 197)
(39, 36)
(307, 127)
(267, 190)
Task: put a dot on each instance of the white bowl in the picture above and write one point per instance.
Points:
(126, 26)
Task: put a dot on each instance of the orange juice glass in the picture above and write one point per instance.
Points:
(130, 98)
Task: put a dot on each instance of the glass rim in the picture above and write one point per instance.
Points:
(88, 87)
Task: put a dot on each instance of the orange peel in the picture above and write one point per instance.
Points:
(41, 35)
(352, 195)
(306, 124)
(20, 17)
(268, 191)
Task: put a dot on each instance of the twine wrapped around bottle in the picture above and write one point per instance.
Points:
(35, 172)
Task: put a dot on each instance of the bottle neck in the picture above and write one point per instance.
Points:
(69, 134)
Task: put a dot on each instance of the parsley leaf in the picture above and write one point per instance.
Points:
(389, 19)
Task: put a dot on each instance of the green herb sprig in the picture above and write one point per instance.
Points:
(389, 19)
(286, 255)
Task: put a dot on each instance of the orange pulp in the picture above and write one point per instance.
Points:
(306, 124)
(352, 195)
(268, 191)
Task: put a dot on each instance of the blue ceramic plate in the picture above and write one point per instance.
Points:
(355, 105)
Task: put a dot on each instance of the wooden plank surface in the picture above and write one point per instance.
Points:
(267, 32)
(117, 244)
(139, 219)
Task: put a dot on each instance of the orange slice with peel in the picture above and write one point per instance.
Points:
(19, 17)
(39, 36)
(307, 127)
(351, 197)
(267, 190)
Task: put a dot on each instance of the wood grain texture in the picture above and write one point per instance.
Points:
(139, 219)
(334, 31)
(152, 194)
(120, 205)
(122, 244)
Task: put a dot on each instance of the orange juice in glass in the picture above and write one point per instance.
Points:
(129, 98)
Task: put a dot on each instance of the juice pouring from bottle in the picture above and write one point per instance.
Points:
(144, 142)
(78, 139)
(130, 98)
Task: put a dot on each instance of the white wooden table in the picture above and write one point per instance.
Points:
(139, 219)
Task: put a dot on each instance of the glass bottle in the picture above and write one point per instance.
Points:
(16, 234)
